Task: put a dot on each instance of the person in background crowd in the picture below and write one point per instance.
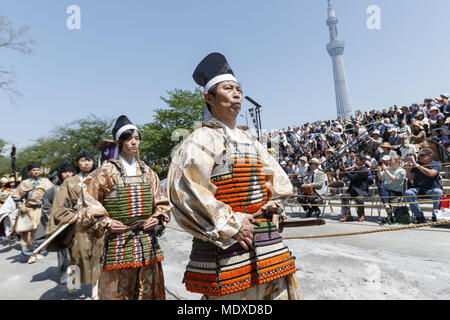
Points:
(425, 177)
(28, 198)
(406, 148)
(392, 179)
(357, 190)
(422, 121)
(65, 171)
(314, 188)
(419, 136)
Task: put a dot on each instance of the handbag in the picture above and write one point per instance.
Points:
(23, 223)
(445, 203)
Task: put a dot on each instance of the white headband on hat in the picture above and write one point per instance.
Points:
(125, 128)
(217, 79)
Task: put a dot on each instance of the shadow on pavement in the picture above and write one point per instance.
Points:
(7, 248)
(50, 274)
(19, 258)
(61, 292)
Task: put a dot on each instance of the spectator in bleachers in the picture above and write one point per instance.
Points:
(443, 136)
(384, 150)
(422, 121)
(445, 104)
(302, 167)
(357, 190)
(350, 162)
(407, 115)
(426, 181)
(313, 189)
(418, 136)
(373, 142)
(404, 129)
(433, 114)
(392, 179)
(291, 170)
(394, 140)
(384, 129)
(406, 148)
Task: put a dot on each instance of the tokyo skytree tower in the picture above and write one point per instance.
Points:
(336, 50)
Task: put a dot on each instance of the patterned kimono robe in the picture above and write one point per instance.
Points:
(131, 259)
(85, 249)
(32, 192)
(216, 176)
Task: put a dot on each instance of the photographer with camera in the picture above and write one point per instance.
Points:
(392, 178)
(425, 177)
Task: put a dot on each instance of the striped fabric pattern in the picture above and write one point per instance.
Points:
(217, 272)
(134, 248)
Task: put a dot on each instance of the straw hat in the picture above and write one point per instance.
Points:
(314, 161)
(385, 145)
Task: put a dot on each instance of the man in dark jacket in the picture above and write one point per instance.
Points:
(357, 190)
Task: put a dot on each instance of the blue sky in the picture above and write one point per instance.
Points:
(130, 53)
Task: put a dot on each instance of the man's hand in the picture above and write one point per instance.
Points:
(245, 235)
(117, 227)
(276, 220)
(150, 223)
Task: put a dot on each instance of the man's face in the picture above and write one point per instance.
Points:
(359, 162)
(35, 173)
(85, 164)
(226, 105)
(425, 158)
(131, 144)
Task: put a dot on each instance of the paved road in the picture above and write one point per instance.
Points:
(412, 264)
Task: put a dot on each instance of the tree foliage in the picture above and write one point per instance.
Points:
(184, 108)
(159, 137)
(64, 143)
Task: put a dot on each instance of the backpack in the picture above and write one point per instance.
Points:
(401, 215)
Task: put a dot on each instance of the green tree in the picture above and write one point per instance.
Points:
(184, 108)
(2, 145)
(65, 142)
(5, 162)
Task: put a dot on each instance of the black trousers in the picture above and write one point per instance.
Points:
(346, 198)
(313, 199)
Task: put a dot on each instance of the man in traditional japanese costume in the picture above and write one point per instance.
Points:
(28, 198)
(223, 183)
(74, 246)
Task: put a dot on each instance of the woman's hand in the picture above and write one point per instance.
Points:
(117, 227)
(150, 223)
